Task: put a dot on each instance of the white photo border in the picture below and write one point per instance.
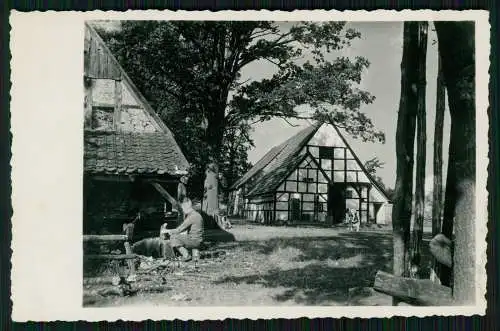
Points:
(47, 166)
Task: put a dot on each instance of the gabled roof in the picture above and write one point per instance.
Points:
(272, 179)
(258, 166)
(277, 160)
(149, 152)
(116, 153)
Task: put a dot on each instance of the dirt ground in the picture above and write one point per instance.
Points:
(270, 266)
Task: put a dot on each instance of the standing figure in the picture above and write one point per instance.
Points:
(181, 197)
(352, 220)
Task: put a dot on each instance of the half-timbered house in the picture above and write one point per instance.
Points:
(313, 177)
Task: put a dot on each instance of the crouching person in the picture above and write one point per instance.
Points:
(189, 234)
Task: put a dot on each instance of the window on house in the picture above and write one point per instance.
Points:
(326, 152)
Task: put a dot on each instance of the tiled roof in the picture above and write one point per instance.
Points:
(271, 180)
(132, 153)
(278, 163)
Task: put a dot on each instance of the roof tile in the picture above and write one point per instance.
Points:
(271, 169)
(144, 153)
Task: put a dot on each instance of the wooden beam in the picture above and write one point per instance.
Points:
(113, 178)
(88, 103)
(109, 237)
(164, 193)
(110, 256)
(112, 105)
(417, 291)
(118, 104)
(159, 180)
(132, 178)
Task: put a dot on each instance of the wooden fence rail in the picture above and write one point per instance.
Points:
(108, 237)
(111, 256)
(415, 291)
(126, 237)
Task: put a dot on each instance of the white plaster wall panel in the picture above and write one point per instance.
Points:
(103, 91)
(127, 97)
(326, 136)
(136, 120)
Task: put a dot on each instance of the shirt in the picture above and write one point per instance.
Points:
(193, 223)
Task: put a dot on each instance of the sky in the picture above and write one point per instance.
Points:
(381, 43)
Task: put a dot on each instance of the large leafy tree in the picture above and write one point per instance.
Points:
(193, 70)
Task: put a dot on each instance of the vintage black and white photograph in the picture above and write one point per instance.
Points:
(290, 161)
(279, 163)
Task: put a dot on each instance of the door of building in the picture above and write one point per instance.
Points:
(294, 210)
(336, 202)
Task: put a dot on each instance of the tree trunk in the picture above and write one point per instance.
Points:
(405, 136)
(215, 134)
(437, 191)
(457, 47)
(421, 149)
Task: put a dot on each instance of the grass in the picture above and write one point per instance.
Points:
(276, 266)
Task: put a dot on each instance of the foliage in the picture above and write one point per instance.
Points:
(191, 71)
(371, 166)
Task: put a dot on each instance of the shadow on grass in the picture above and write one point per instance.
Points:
(321, 270)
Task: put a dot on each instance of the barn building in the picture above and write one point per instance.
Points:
(310, 178)
(130, 156)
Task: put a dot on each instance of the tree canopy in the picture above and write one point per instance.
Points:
(191, 71)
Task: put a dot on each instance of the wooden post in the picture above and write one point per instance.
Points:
(418, 227)
(405, 137)
(128, 230)
(118, 104)
(437, 191)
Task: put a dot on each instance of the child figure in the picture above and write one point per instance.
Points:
(352, 220)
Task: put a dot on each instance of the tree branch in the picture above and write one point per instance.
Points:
(286, 120)
(273, 62)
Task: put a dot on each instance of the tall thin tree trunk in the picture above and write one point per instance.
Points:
(405, 136)
(421, 149)
(437, 191)
(457, 47)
